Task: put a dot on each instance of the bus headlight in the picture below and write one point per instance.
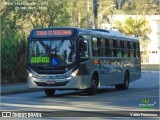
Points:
(30, 74)
(75, 73)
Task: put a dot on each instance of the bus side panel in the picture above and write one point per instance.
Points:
(109, 72)
(134, 68)
(120, 70)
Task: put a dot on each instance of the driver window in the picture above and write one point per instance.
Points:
(83, 48)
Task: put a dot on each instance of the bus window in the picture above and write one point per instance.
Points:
(83, 48)
(131, 49)
(103, 42)
(115, 47)
(125, 49)
(109, 52)
(102, 52)
(115, 43)
(102, 48)
(128, 47)
(118, 44)
(137, 50)
(115, 52)
(122, 46)
(134, 47)
(119, 53)
(125, 44)
(131, 53)
(125, 52)
(107, 42)
(95, 46)
(131, 45)
(110, 43)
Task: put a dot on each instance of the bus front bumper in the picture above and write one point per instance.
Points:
(67, 83)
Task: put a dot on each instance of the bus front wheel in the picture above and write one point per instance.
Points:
(49, 92)
(125, 85)
(94, 86)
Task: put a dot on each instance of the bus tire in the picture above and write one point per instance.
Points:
(125, 85)
(49, 92)
(94, 85)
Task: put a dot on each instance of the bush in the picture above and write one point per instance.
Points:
(13, 62)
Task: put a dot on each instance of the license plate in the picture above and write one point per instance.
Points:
(51, 82)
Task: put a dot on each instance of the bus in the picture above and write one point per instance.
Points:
(81, 59)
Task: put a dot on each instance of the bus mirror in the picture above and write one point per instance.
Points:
(83, 45)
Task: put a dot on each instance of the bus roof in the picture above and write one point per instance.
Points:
(109, 33)
(98, 32)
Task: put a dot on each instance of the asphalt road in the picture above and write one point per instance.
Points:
(107, 100)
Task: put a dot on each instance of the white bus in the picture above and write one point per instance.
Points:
(74, 58)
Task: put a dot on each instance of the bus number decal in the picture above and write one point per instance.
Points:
(41, 33)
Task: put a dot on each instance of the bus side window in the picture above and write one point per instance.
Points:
(128, 47)
(122, 47)
(95, 46)
(125, 49)
(83, 48)
(102, 48)
(107, 47)
(134, 47)
(115, 48)
(137, 50)
(111, 48)
(119, 49)
(131, 49)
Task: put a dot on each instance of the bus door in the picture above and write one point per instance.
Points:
(85, 63)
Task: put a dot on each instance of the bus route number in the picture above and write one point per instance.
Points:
(53, 32)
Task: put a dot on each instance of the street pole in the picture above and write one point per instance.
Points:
(88, 14)
(95, 11)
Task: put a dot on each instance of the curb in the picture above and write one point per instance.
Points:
(18, 92)
(16, 88)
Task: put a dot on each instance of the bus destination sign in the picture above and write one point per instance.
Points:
(52, 33)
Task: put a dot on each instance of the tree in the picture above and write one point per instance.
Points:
(17, 24)
(119, 3)
(141, 7)
(55, 13)
(138, 27)
(79, 13)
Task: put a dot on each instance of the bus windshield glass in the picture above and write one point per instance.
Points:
(52, 52)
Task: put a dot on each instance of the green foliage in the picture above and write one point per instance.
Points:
(132, 26)
(139, 27)
(13, 62)
(141, 7)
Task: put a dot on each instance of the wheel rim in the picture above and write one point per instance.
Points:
(126, 81)
(94, 83)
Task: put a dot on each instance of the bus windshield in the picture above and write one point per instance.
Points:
(52, 52)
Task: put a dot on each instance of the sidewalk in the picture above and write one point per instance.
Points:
(15, 88)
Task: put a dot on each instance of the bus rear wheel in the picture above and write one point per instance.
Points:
(49, 92)
(94, 86)
(125, 85)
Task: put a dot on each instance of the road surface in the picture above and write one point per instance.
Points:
(142, 93)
